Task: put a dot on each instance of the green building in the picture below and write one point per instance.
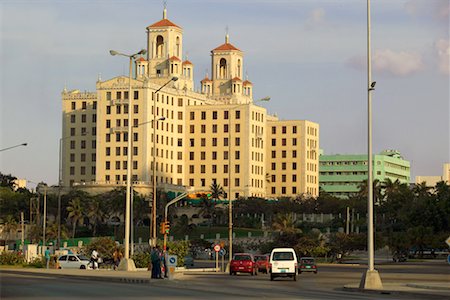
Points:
(341, 175)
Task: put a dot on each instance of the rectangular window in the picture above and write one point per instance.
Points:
(294, 142)
(83, 105)
(294, 178)
(191, 169)
(225, 128)
(274, 142)
(118, 109)
(72, 118)
(214, 142)
(238, 141)
(214, 128)
(225, 142)
(117, 165)
(180, 102)
(203, 155)
(283, 129)
(108, 95)
(237, 155)
(203, 115)
(94, 105)
(136, 95)
(238, 114)
(226, 115)
(225, 154)
(118, 151)
(108, 110)
(203, 142)
(203, 129)
(294, 129)
(283, 154)
(225, 169)
(192, 115)
(294, 153)
(274, 130)
(238, 127)
(72, 144)
(117, 137)
(180, 115)
(274, 154)
(83, 118)
(118, 95)
(214, 115)
(74, 105)
(72, 131)
(283, 142)
(72, 157)
(108, 165)
(136, 109)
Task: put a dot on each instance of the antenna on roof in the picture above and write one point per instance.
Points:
(227, 38)
(165, 9)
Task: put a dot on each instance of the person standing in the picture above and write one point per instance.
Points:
(47, 257)
(117, 256)
(94, 259)
(155, 257)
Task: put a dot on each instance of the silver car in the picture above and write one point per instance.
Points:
(74, 261)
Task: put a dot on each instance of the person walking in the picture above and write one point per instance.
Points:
(47, 257)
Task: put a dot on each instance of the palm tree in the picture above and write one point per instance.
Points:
(285, 223)
(76, 213)
(10, 227)
(96, 213)
(217, 191)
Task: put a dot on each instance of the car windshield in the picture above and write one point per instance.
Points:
(82, 257)
(283, 256)
(242, 257)
(307, 261)
(258, 258)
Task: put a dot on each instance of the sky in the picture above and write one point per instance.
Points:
(309, 56)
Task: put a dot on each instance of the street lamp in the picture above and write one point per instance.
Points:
(153, 224)
(83, 133)
(132, 197)
(127, 264)
(23, 144)
(371, 278)
(230, 203)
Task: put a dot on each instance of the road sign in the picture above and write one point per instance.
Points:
(222, 252)
(217, 248)
(172, 260)
(448, 241)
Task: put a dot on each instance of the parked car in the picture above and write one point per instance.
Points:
(399, 257)
(74, 261)
(283, 263)
(188, 260)
(262, 263)
(307, 264)
(243, 263)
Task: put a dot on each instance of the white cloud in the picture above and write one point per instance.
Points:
(315, 17)
(442, 47)
(437, 9)
(400, 63)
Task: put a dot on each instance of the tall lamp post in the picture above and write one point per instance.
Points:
(127, 264)
(371, 278)
(153, 225)
(230, 203)
(4, 149)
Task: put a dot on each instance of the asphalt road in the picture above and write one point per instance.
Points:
(327, 284)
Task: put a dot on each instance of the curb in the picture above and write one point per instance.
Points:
(428, 287)
(395, 292)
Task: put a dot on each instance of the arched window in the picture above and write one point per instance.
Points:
(178, 46)
(159, 46)
(223, 68)
(239, 68)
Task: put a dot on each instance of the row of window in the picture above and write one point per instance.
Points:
(359, 173)
(273, 178)
(119, 95)
(284, 154)
(82, 170)
(214, 128)
(73, 118)
(83, 131)
(82, 157)
(284, 129)
(284, 142)
(84, 105)
(83, 144)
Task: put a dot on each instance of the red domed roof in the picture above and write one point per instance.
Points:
(226, 47)
(163, 23)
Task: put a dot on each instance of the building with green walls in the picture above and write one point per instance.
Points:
(341, 175)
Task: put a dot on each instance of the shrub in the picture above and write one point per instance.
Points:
(11, 258)
(38, 262)
(141, 259)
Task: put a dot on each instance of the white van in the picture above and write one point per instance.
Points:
(283, 263)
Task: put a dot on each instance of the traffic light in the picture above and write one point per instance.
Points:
(167, 227)
(162, 227)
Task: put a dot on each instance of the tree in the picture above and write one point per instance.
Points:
(96, 214)
(7, 181)
(217, 191)
(76, 213)
(285, 223)
(10, 227)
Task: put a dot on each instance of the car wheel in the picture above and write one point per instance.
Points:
(271, 277)
(295, 277)
(231, 272)
(83, 267)
(315, 272)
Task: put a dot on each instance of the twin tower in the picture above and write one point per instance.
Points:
(164, 60)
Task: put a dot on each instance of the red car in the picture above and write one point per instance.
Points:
(243, 263)
(262, 263)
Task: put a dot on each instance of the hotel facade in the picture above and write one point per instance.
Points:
(216, 134)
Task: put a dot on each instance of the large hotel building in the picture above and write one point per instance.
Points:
(217, 134)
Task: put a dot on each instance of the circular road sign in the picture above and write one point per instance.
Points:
(222, 252)
(217, 248)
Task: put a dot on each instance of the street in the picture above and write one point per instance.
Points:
(327, 284)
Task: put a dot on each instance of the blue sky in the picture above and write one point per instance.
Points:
(308, 56)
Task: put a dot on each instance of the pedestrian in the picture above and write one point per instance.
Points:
(47, 257)
(94, 259)
(165, 255)
(117, 256)
(155, 257)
